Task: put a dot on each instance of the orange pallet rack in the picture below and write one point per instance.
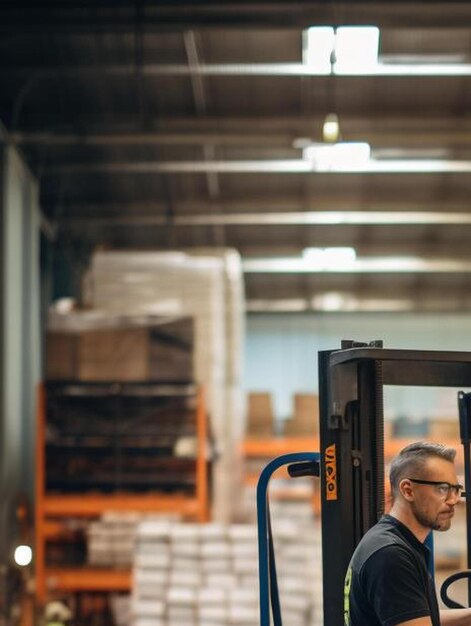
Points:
(52, 511)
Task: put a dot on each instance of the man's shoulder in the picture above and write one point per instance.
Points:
(386, 529)
(379, 538)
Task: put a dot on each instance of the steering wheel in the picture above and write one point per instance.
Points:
(447, 601)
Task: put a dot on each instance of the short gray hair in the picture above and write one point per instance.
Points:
(411, 460)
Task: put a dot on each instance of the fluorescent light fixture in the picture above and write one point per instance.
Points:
(420, 59)
(23, 555)
(332, 301)
(346, 50)
(371, 265)
(416, 69)
(329, 258)
(283, 305)
(346, 302)
(294, 218)
(418, 166)
(295, 166)
(319, 42)
(331, 128)
(356, 49)
(382, 154)
(344, 154)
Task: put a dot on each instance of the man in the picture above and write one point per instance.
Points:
(387, 582)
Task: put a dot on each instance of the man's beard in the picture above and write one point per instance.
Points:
(427, 522)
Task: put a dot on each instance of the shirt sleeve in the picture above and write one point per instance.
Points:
(394, 586)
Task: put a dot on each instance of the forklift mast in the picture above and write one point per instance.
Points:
(351, 382)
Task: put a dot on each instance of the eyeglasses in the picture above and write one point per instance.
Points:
(443, 487)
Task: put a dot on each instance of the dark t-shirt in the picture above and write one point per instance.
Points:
(387, 581)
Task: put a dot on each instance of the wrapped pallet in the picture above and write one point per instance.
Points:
(207, 286)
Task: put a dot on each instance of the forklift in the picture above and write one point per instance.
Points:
(350, 463)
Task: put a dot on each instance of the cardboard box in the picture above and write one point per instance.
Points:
(442, 428)
(61, 356)
(305, 420)
(160, 351)
(260, 417)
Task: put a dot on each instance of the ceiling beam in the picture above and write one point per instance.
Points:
(271, 204)
(386, 241)
(373, 293)
(201, 106)
(88, 16)
(345, 303)
(374, 120)
(381, 246)
(265, 133)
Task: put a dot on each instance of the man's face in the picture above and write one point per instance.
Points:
(431, 506)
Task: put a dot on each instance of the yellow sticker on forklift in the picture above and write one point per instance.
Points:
(331, 472)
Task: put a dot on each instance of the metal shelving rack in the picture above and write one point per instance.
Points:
(53, 510)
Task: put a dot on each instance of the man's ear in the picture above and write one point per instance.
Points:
(405, 489)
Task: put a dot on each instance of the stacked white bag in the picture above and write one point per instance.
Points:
(207, 575)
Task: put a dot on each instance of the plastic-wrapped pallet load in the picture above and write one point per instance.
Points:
(211, 576)
(206, 285)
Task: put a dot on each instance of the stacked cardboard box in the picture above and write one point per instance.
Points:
(205, 286)
(305, 419)
(207, 575)
(260, 416)
(440, 429)
(89, 348)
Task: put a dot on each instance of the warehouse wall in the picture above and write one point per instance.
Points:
(19, 334)
(281, 354)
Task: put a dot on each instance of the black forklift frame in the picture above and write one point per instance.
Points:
(351, 382)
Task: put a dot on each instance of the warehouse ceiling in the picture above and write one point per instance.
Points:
(163, 125)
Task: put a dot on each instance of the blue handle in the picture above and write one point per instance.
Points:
(264, 531)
